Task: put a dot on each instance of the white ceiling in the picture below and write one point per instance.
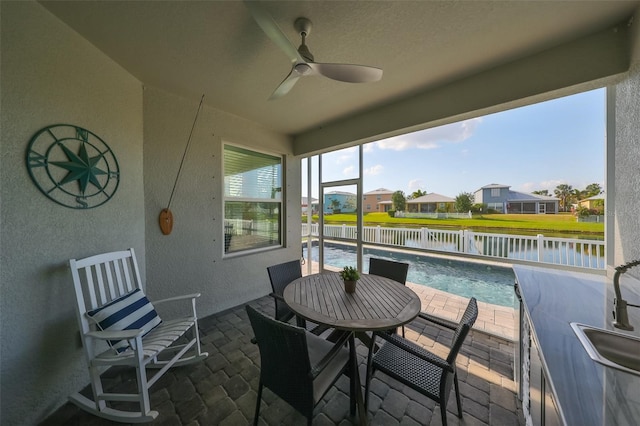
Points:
(216, 49)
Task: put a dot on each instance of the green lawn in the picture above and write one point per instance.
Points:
(558, 223)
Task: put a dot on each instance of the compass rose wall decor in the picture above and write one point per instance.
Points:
(72, 166)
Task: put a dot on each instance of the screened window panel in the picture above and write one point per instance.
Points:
(495, 206)
(253, 199)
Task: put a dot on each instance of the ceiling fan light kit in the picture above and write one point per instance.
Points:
(303, 64)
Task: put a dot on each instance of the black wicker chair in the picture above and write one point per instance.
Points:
(418, 368)
(396, 271)
(296, 365)
(280, 276)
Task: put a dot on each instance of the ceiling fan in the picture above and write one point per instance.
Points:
(302, 60)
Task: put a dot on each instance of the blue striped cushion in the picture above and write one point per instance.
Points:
(131, 311)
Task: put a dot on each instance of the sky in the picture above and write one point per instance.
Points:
(531, 148)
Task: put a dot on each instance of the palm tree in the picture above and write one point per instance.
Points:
(593, 189)
(564, 194)
(416, 194)
(541, 192)
(578, 195)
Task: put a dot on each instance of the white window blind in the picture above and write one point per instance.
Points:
(251, 175)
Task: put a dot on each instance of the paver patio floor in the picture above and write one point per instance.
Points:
(222, 389)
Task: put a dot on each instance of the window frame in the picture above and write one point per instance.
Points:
(281, 201)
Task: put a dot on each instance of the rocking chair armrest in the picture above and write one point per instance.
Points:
(115, 335)
(176, 298)
(324, 362)
(423, 354)
(439, 321)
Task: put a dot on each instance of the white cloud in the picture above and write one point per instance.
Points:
(432, 138)
(347, 154)
(348, 171)
(549, 185)
(402, 143)
(416, 184)
(529, 187)
(340, 156)
(374, 170)
(344, 158)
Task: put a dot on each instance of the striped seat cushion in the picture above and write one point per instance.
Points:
(131, 311)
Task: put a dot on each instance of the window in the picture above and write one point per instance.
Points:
(495, 192)
(252, 199)
(495, 206)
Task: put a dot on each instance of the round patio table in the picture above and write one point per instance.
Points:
(377, 304)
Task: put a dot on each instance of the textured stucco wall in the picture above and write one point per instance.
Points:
(190, 259)
(626, 228)
(627, 168)
(50, 75)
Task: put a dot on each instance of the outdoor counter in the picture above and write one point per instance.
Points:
(585, 392)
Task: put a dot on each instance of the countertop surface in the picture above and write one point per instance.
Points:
(586, 392)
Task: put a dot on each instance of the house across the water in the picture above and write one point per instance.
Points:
(378, 200)
(501, 199)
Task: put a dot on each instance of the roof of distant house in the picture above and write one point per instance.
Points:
(305, 200)
(494, 185)
(523, 196)
(379, 191)
(432, 198)
(594, 197)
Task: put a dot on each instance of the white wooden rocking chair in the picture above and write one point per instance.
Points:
(119, 326)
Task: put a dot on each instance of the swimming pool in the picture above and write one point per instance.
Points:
(487, 283)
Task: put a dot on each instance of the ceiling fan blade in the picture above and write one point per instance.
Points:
(286, 85)
(347, 72)
(272, 30)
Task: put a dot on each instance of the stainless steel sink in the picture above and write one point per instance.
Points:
(616, 350)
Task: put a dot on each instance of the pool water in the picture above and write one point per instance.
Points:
(487, 283)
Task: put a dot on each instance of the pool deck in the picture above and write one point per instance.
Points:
(492, 319)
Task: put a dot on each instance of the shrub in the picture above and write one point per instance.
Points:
(582, 211)
(479, 208)
(392, 213)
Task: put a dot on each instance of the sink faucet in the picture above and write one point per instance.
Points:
(620, 316)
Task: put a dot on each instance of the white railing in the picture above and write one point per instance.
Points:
(539, 249)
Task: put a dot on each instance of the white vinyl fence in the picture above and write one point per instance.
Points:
(538, 249)
(250, 227)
